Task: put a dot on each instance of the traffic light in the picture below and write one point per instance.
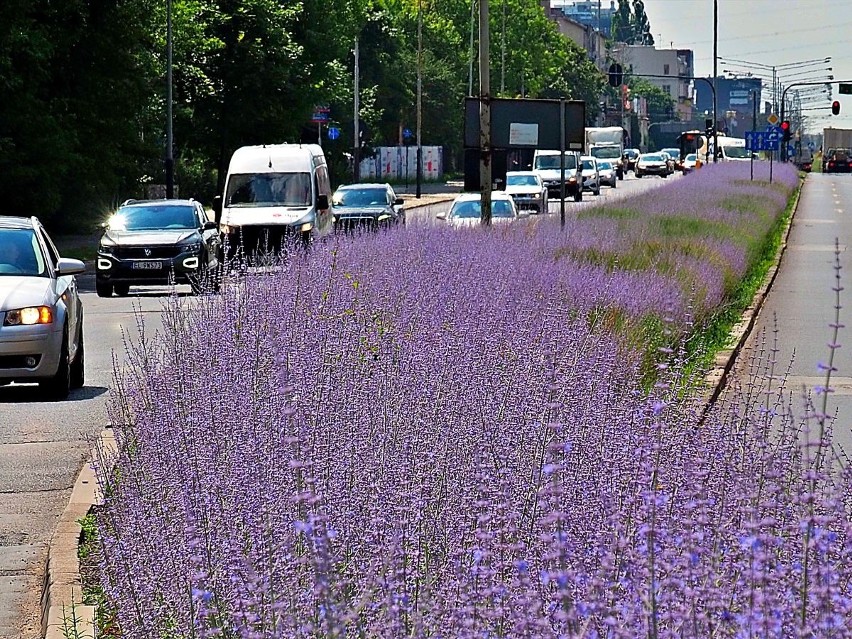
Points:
(708, 127)
(835, 108)
(786, 130)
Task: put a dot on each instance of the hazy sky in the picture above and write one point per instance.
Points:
(765, 33)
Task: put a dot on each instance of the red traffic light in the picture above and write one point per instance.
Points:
(835, 108)
(785, 125)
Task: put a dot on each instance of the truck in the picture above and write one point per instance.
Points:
(607, 143)
(836, 150)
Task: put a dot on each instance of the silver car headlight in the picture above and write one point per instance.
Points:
(29, 316)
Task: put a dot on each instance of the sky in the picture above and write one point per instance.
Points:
(762, 34)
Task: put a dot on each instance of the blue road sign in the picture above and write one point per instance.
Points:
(761, 141)
(406, 133)
(774, 128)
(333, 133)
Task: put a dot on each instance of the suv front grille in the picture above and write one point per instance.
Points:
(145, 252)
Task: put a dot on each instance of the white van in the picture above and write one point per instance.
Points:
(272, 192)
(546, 164)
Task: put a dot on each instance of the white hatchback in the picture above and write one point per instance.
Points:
(466, 209)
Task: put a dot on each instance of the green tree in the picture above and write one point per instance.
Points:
(623, 23)
(641, 24)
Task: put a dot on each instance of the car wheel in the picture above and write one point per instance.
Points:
(638, 174)
(665, 175)
(78, 367)
(58, 386)
(104, 289)
(121, 289)
(597, 190)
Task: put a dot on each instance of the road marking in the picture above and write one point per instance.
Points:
(838, 385)
(816, 247)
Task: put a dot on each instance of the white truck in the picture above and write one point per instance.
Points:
(836, 139)
(607, 143)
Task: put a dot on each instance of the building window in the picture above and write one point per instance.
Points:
(665, 69)
(667, 88)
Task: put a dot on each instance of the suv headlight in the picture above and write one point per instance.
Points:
(190, 247)
(106, 249)
(29, 316)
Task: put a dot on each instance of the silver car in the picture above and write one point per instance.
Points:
(41, 316)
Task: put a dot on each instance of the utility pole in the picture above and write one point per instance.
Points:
(356, 125)
(170, 158)
(472, 54)
(715, 75)
(503, 53)
(484, 112)
(419, 95)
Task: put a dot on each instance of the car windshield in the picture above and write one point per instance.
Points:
(521, 180)
(471, 209)
(149, 218)
(588, 165)
(652, 158)
(552, 162)
(20, 253)
(360, 197)
(738, 152)
(269, 189)
(606, 152)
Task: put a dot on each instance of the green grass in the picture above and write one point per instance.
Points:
(85, 253)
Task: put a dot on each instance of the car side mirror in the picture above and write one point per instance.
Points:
(209, 226)
(442, 215)
(322, 202)
(67, 266)
(399, 201)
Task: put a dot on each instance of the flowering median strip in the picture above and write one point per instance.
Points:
(492, 432)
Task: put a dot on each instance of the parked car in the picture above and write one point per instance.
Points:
(607, 173)
(591, 177)
(630, 157)
(653, 164)
(41, 315)
(674, 154)
(367, 204)
(466, 209)
(156, 242)
(689, 163)
(528, 191)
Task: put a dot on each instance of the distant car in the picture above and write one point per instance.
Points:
(367, 204)
(41, 315)
(547, 164)
(837, 161)
(528, 191)
(156, 242)
(675, 156)
(466, 209)
(630, 157)
(688, 165)
(653, 164)
(591, 177)
(607, 173)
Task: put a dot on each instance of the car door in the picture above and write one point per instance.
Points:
(65, 287)
(209, 236)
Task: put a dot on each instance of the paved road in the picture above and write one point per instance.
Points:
(44, 444)
(802, 300)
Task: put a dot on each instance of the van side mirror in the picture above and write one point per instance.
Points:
(209, 226)
(398, 201)
(217, 208)
(322, 202)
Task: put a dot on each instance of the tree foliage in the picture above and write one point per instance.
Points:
(85, 123)
(630, 24)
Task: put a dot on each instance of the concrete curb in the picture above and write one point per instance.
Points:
(62, 594)
(717, 378)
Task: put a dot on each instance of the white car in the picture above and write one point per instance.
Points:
(41, 316)
(528, 191)
(607, 173)
(591, 177)
(653, 164)
(689, 163)
(466, 209)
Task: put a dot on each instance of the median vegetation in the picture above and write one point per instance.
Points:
(436, 433)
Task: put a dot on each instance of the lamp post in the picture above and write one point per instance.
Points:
(170, 159)
(419, 96)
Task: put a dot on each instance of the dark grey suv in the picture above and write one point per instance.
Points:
(367, 205)
(156, 242)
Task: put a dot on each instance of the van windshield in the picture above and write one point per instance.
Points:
(738, 152)
(552, 162)
(269, 189)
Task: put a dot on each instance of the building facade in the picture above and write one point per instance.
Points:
(584, 35)
(672, 71)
